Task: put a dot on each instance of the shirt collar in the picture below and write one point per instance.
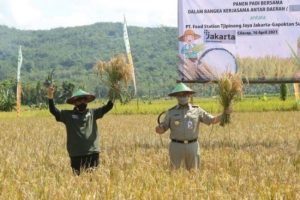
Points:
(188, 106)
(76, 111)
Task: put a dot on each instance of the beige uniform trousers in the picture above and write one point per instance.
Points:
(189, 154)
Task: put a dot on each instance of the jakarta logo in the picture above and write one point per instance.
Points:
(219, 36)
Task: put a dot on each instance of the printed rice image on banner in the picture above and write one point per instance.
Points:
(258, 39)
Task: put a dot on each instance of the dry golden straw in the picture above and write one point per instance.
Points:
(230, 86)
(116, 74)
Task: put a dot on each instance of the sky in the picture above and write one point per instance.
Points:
(47, 14)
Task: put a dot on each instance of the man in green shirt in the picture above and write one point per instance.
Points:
(82, 130)
(183, 120)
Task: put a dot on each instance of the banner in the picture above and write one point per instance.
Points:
(20, 60)
(19, 86)
(128, 51)
(257, 39)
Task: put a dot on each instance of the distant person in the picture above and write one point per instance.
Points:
(82, 130)
(183, 120)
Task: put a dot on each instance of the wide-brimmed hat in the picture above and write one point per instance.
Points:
(181, 87)
(80, 94)
(189, 32)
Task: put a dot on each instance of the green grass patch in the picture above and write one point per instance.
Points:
(253, 104)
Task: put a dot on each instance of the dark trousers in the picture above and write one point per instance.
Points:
(86, 163)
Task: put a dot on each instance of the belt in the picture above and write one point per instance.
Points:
(185, 141)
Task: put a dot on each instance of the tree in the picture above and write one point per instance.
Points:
(40, 93)
(7, 96)
(64, 92)
(283, 91)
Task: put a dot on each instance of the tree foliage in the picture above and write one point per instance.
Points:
(7, 96)
(72, 52)
(283, 91)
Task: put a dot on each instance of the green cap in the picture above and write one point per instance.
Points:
(80, 94)
(181, 87)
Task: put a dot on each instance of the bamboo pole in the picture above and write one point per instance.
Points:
(19, 93)
(296, 91)
(253, 81)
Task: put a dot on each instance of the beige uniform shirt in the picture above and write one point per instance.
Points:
(183, 121)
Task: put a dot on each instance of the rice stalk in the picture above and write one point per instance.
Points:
(230, 87)
(116, 74)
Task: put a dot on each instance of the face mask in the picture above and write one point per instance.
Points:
(183, 100)
(81, 107)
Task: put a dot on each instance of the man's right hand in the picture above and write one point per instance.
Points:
(160, 129)
(51, 91)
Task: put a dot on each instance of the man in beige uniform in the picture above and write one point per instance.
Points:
(183, 120)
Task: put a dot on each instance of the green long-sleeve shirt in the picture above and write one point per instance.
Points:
(82, 130)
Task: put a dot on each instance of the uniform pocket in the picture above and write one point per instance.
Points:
(176, 121)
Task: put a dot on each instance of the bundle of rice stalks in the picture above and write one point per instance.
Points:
(49, 80)
(116, 74)
(230, 87)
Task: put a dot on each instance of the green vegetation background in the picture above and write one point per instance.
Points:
(142, 107)
(72, 52)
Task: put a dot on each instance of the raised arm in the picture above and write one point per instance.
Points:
(100, 112)
(209, 119)
(54, 111)
(217, 119)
